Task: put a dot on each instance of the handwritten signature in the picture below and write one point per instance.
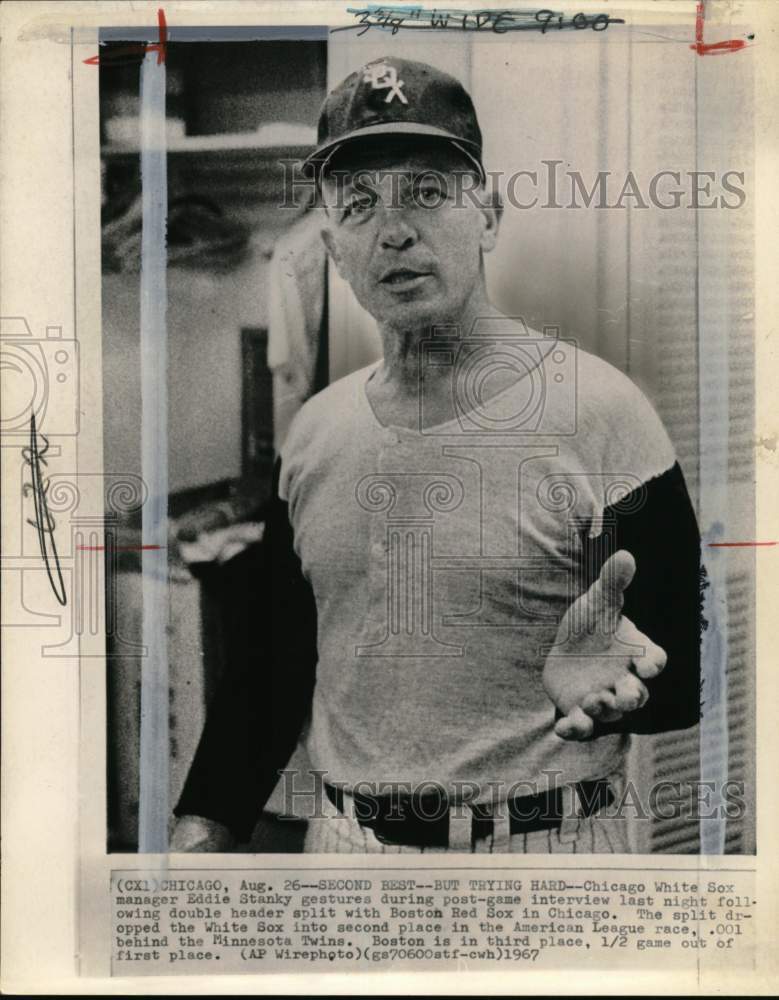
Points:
(499, 20)
(44, 522)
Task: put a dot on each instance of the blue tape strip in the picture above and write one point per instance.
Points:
(154, 809)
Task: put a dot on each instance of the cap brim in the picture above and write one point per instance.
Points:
(320, 157)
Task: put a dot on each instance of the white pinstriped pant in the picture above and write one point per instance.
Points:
(600, 833)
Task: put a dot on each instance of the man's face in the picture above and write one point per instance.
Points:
(404, 235)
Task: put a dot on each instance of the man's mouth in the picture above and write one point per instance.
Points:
(403, 276)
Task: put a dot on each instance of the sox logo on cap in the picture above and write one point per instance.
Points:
(383, 77)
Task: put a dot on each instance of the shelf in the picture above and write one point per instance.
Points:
(193, 145)
(268, 139)
(234, 174)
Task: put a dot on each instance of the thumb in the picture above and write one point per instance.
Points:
(608, 591)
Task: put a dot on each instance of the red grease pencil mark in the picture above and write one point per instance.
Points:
(161, 48)
(715, 48)
(737, 545)
(119, 548)
(118, 56)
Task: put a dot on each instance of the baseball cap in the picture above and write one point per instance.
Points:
(397, 97)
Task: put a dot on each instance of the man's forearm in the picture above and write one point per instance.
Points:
(263, 700)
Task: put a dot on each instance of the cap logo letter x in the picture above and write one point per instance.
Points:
(383, 77)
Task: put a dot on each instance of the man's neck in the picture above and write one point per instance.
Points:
(395, 389)
(401, 365)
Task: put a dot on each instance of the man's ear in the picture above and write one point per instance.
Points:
(492, 210)
(329, 242)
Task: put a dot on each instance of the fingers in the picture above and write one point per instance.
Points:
(652, 662)
(610, 704)
(577, 725)
(602, 705)
(607, 593)
(630, 693)
(653, 659)
(607, 705)
(620, 570)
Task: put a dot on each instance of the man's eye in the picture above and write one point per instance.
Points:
(431, 195)
(357, 207)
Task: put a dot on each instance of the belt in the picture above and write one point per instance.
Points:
(423, 820)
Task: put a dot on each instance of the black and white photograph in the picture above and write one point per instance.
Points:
(445, 431)
(389, 481)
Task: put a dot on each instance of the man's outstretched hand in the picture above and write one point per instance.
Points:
(592, 674)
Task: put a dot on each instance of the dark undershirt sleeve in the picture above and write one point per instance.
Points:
(657, 526)
(264, 697)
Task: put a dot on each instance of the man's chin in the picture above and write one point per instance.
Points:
(413, 314)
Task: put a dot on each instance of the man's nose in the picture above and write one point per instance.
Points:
(396, 231)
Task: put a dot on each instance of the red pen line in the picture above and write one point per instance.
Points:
(715, 48)
(160, 46)
(120, 548)
(737, 545)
